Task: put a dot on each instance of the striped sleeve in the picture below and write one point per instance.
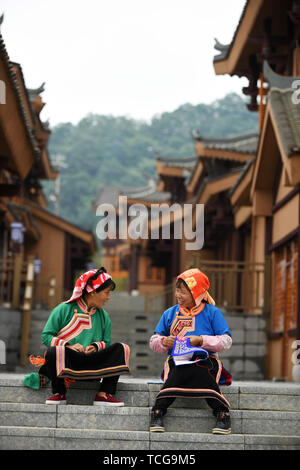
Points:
(156, 345)
(218, 343)
(100, 345)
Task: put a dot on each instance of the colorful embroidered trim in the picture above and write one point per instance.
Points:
(79, 322)
(63, 371)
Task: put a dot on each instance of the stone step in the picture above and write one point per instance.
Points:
(173, 441)
(263, 396)
(264, 415)
(78, 394)
(283, 423)
(77, 416)
(32, 438)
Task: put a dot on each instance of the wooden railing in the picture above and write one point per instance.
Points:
(242, 286)
(48, 293)
(12, 280)
(16, 291)
(239, 286)
(160, 299)
(21, 289)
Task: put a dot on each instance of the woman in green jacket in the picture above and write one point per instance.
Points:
(78, 337)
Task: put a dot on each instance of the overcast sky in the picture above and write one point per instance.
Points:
(134, 58)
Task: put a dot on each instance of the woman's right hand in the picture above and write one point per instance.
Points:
(168, 341)
(77, 347)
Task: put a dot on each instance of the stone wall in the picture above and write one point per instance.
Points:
(246, 360)
(10, 334)
(133, 326)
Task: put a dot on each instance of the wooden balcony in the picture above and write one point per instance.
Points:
(239, 286)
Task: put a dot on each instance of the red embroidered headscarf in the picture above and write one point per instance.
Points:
(82, 282)
(197, 283)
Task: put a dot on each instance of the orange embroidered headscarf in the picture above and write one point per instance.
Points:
(197, 283)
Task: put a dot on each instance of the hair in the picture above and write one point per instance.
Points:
(181, 282)
(107, 283)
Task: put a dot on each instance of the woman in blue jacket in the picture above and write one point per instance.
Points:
(195, 317)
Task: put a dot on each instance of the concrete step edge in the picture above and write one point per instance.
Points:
(144, 410)
(153, 383)
(129, 434)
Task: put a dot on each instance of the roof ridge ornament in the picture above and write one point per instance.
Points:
(219, 46)
(37, 91)
(275, 80)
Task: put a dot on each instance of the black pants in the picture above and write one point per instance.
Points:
(188, 378)
(163, 404)
(108, 384)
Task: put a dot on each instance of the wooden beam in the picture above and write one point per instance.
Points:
(241, 215)
(9, 190)
(241, 38)
(262, 202)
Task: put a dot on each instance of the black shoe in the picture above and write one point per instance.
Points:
(156, 423)
(223, 423)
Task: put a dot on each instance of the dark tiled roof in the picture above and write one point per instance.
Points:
(242, 176)
(188, 163)
(156, 196)
(287, 117)
(110, 195)
(148, 192)
(275, 80)
(283, 100)
(241, 143)
(18, 95)
(212, 178)
(225, 49)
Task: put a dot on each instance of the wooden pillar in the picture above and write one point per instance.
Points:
(17, 270)
(26, 314)
(298, 282)
(133, 273)
(51, 293)
(175, 258)
(68, 279)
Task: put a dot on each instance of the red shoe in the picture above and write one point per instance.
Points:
(56, 399)
(107, 400)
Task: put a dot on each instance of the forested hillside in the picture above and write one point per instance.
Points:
(105, 150)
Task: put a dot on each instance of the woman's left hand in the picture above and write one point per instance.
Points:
(195, 340)
(90, 349)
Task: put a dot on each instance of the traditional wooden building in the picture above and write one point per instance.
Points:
(266, 197)
(155, 260)
(123, 256)
(249, 186)
(114, 251)
(27, 227)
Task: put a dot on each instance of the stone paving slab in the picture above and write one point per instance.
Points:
(25, 414)
(31, 438)
(282, 423)
(101, 417)
(142, 392)
(26, 438)
(271, 442)
(189, 441)
(138, 419)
